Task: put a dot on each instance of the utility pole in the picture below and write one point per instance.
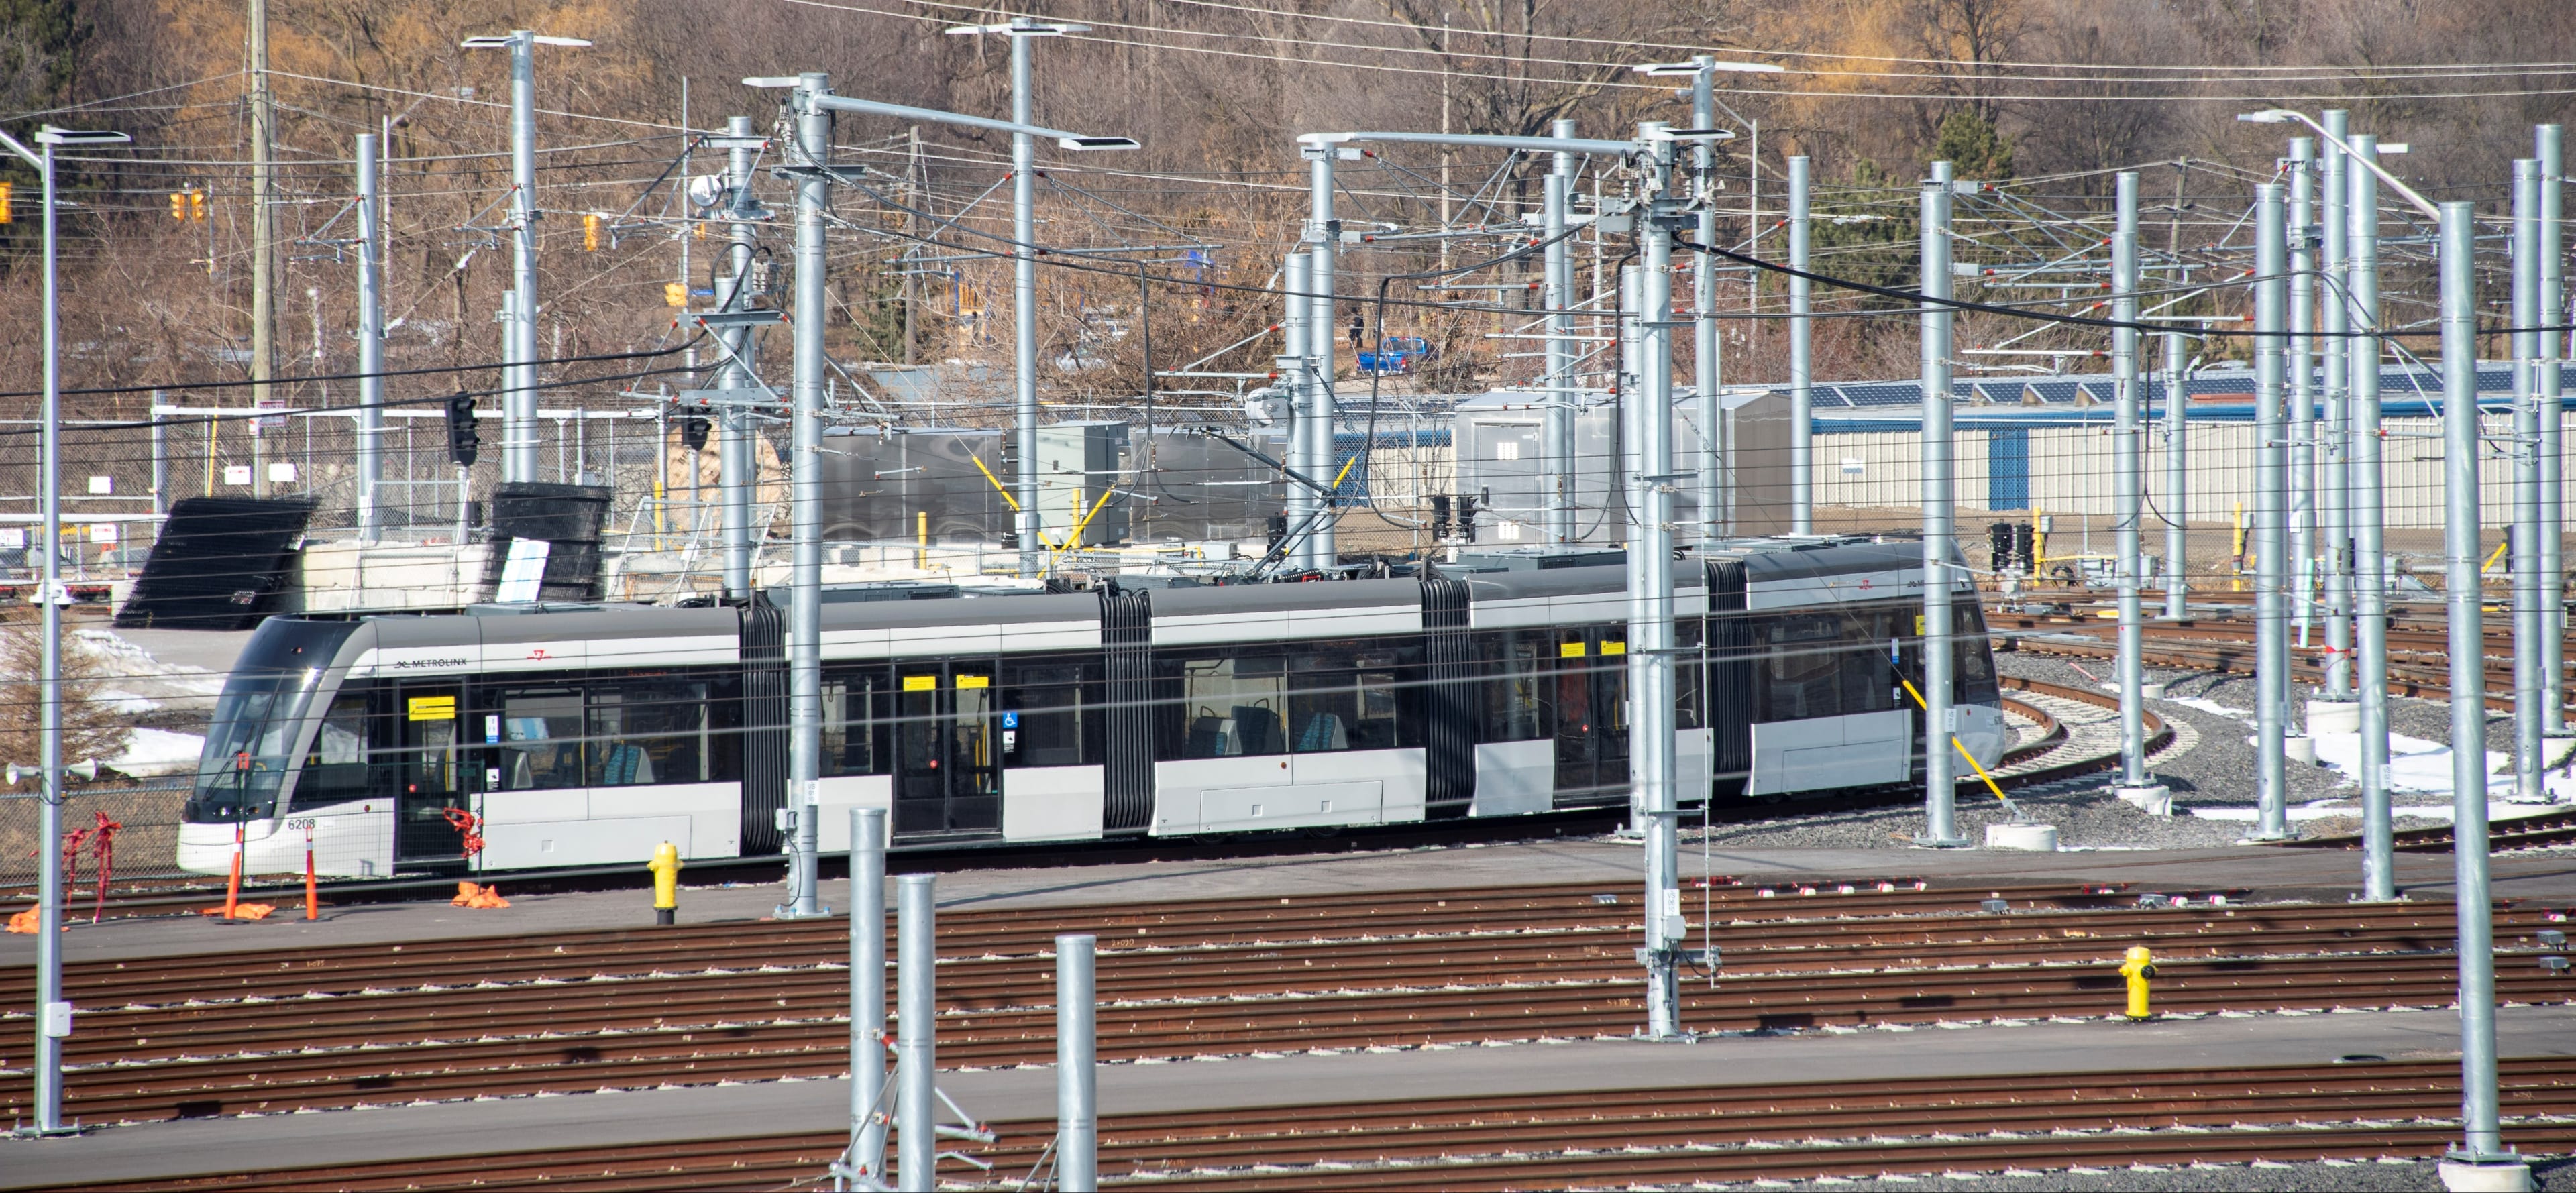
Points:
(812, 162)
(867, 991)
(2530, 722)
(737, 459)
(1716, 510)
(1802, 362)
(519, 427)
(2129, 448)
(2369, 558)
(2552, 298)
(2334, 317)
(2300, 435)
(1303, 503)
(263, 242)
(1557, 431)
(2482, 1139)
(912, 190)
(916, 1022)
(2177, 503)
(1940, 792)
(1650, 583)
(371, 345)
(1322, 233)
(2271, 515)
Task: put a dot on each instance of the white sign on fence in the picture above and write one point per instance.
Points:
(236, 474)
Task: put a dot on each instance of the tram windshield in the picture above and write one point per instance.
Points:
(251, 742)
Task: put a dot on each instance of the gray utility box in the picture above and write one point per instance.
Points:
(1197, 488)
(891, 484)
(1501, 441)
(1084, 475)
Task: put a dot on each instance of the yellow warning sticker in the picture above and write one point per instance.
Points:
(433, 708)
(1614, 648)
(974, 681)
(1571, 650)
(920, 683)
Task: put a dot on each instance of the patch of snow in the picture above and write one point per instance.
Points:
(151, 752)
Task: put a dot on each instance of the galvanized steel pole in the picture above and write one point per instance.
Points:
(53, 1013)
(2271, 517)
(1291, 367)
(738, 461)
(2529, 714)
(2334, 317)
(1024, 318)
(2481, 1138)
(1650, 596)
(1077, 1092)
(2553, 423)
(1323, 233)
(2299, 440)
(916, 1032)
(1802, 365)
(1557, 430)
(519, 407)
(1716, 507)
(805, 489)
(2177, 503)
(2369, 560)
(371, 346)
(2129, 454)
(867, 991)
(1940, 791)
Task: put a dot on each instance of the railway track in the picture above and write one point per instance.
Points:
(2503, 836)
(2355, 1111)
(629, 1010)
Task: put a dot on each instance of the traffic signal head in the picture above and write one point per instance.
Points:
(463, 443)
(178, 205)
(590, 232)
(5, 214)
(197, 206)
(693, 434)
(675, 294)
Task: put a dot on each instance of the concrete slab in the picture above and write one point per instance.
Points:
(2271, 873)
(205, 1146)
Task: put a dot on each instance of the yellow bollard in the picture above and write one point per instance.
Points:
(666, 884)
(2138, 969)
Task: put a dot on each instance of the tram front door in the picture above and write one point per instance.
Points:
(947, 763)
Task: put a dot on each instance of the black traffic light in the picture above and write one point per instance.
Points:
(463, 443)
(693, 434)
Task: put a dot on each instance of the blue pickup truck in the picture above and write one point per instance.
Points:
(1398, 354)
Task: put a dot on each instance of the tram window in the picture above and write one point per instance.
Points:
(336, 768)
(651, 730)
(540, 737)
(1612, 667)
(1516, 666)
(1351, 695)
(856, 706)
(1973, 674)
(1686, 673)
(1801, 673)
(1049, 720)
(1233, 705)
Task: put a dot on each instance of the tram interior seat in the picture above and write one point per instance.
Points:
(1324, 731)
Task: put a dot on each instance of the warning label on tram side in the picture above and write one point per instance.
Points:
(433, 708)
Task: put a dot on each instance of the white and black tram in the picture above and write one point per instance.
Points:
(565, 736)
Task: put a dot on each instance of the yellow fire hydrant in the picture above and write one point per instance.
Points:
(2139, 968)
(666, 884)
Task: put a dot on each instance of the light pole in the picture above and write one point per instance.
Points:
(813, 105)
(1024, 274)
(519, 397)
(53, 1014)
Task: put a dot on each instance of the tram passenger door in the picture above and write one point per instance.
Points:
(948, 766)
(431, 773)
(1590, 695)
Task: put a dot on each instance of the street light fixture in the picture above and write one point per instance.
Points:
(53, 1013)
(2368, 162)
